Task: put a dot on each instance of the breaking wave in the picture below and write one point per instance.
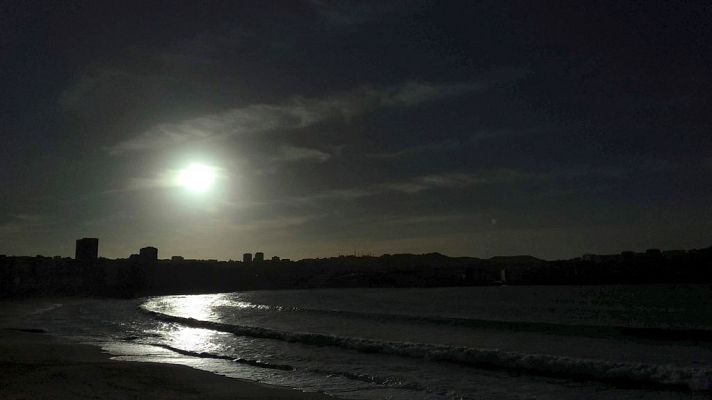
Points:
(254, 363)
(629, 373)
(674, 334)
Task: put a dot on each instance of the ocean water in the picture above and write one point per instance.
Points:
(517, 342)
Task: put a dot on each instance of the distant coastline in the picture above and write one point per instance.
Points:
(145, 274)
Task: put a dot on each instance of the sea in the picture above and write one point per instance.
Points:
(503, 342)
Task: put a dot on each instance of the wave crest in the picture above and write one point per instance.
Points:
(647, 374)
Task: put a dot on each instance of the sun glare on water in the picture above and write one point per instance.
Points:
(197, 178)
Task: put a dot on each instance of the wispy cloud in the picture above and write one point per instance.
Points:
(454, 180)
(443, 181)
(163, 179)
(18, 223)
(166, 178)
(297, 112)
(294, 154)
(473, 140)
(275, 224)
(417, 150)
(451, 181)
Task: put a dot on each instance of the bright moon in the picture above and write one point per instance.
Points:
(197, 178)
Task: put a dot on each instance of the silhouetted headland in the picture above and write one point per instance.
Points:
(145, 274)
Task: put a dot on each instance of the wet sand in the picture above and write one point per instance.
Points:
(36, 365)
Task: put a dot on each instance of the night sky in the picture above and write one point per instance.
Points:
(468, 128)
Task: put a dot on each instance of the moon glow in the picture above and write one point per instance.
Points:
(197, 178)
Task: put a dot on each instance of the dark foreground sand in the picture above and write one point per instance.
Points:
(40, 366)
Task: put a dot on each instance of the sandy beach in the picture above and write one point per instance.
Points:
(37, 365)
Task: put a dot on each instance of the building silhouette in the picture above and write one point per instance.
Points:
(87, 249)
(247, 257)
(275, 258)
(148, 254)
(259, 256)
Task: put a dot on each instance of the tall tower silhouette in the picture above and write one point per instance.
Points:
(87, 249)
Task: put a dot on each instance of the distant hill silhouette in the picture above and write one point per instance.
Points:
(515, 260)
(30, 276)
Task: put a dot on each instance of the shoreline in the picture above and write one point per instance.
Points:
(38, 365)
(34, 364)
